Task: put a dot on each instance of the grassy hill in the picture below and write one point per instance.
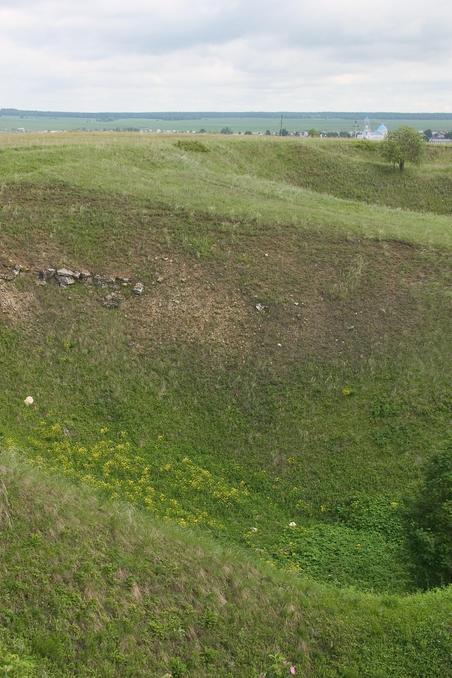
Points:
(277, 388)
(91, 588)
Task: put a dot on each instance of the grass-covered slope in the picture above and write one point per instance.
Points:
(280, 382)
(94, 589)
(356, 171)
(252, 182)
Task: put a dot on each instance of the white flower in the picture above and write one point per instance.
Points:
(292, 524)
(28, 401)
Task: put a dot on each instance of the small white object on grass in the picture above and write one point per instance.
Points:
(292, 524)
(29, 401)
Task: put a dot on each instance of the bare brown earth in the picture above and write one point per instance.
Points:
(15, 305)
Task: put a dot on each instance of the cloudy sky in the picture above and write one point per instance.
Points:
(293, 55)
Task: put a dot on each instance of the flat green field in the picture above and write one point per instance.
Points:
(237, 124)
(215, 470)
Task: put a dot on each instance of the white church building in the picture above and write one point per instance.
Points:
(376, 135)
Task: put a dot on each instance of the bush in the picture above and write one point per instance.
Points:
(193, 146)
(430, 522)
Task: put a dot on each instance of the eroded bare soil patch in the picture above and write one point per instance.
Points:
(16, 306)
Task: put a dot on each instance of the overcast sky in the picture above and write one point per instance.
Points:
(293, 55)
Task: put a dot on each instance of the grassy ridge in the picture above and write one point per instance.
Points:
(252, 182)
(93, 589)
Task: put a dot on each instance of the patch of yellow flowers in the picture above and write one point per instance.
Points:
(114, 467)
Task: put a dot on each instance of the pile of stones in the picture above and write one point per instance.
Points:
(65, 277)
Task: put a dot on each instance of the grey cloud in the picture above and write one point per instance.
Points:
(252, 50)
(96, 30)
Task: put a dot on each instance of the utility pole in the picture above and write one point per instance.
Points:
(280, 127)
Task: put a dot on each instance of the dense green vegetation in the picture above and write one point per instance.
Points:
(95, 589)
(278, 386)
(430, 519)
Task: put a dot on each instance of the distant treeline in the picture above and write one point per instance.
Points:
(190, 115)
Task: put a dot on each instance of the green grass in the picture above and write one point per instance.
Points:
(253, 182)
(200, 410)
(91, 588)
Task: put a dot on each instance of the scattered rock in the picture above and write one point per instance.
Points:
(138, 288)
(85, 275)
(29, 401)
(65, 273)
(65, 280)
(260, 307)
(160, 278)
(42, 278)
(112, 300)
(64, 277)
(104, 280)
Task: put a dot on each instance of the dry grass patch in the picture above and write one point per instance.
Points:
(16, 306)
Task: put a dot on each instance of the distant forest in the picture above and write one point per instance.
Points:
(190, 115)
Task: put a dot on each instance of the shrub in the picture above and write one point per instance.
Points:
(430, 522)
(193, 146)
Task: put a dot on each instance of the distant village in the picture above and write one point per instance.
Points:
(361, 130)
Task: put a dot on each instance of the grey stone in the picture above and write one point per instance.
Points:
(65, 273)
(112, 300)
(65, 280)
(47, 274)
(85, 275)
(104, 280)
(138, 288)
